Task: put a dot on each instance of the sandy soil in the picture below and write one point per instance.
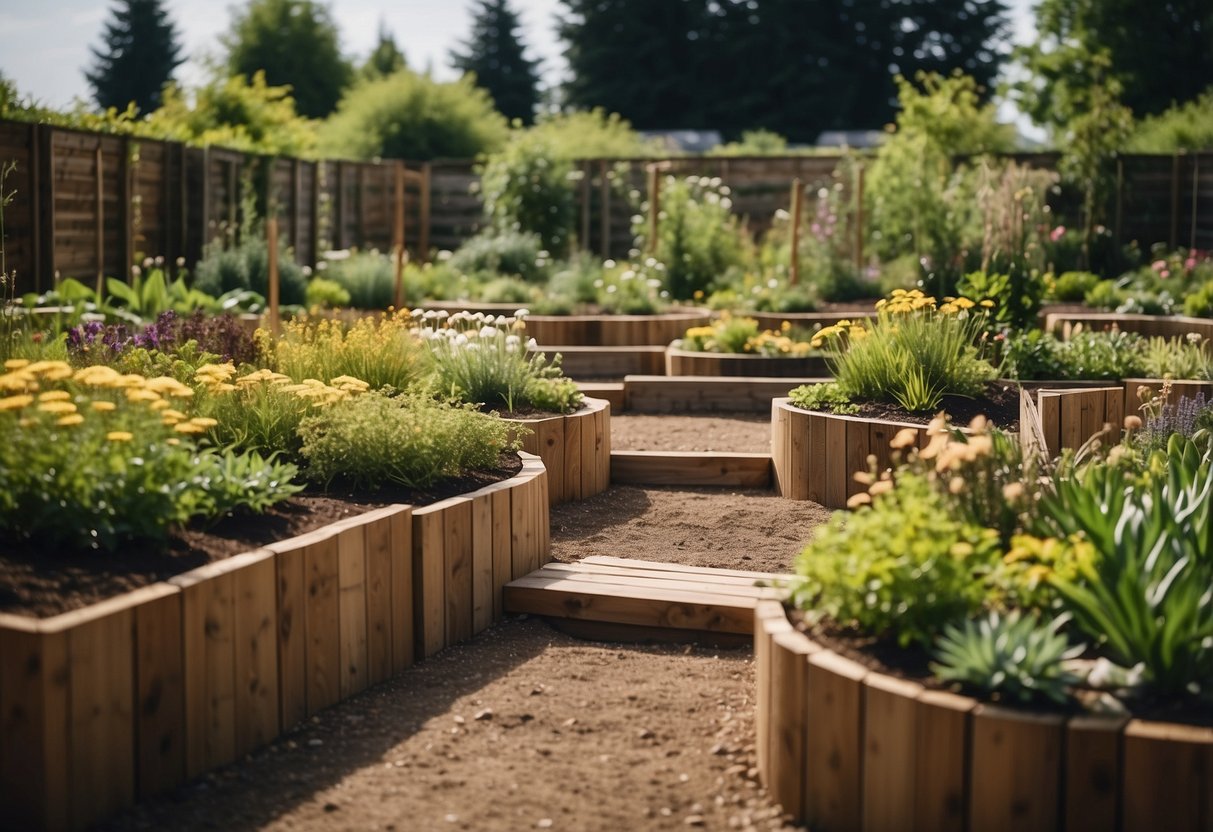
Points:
(528, 728)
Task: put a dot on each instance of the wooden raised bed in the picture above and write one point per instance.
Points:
(132, 696)
(680, 362)
(1180, 389)
(1165, 326)
(810, 321)
(1068, 418)
(691, 468)
(575, 449)
(608, 362)
(705, 394)
(614, 330)
(814, 455)
(842, 747)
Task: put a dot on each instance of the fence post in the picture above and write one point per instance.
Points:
(297, 211)
(1195, 192)
(859, 218)
(1174, 200)
(797, 203)
(361, 239)
(271, 241)
(605, 219)
(398, 237)
(126, 198)
(35, 191)
(99, 251)
(423, 223)
(233, 201)
(654, 204)
(586, 174)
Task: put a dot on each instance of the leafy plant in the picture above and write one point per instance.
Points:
(1015, 656)
(829, 397)
(413, 441)
(1087, 355)
(368, 277)
(1185, 358)
(379, 351)
(503, 252)
(326, 294)
(741, 336)
(1072, 287)
(245, 266)
(528, 189)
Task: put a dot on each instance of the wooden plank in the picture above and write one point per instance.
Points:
(667, 394)
(323, 623)
(379, 620)
(1015, 774)
(1049, 405)
(1092, 773)
(742, 470)
(857, 454)
(572, 464)
(551, 449)
(800, 466)
(816, 458)
(160, 692)
(1091, 408)
(769, 619)
(644, 606)
(101, 744)
(707, 576)
(837, 478)
(833, 775)
(781, 464)
(429, 582)
(941, 761)
(890, 708)
(402, 589)
(457, 557)
(1165, 779)
(624, 584)
(483, 589)
(681, 568)
(209, 656)
(602, 449)
(525, 535)
(503, 566)
(292, 637)
(256, 668)
(351, 577)
(789, 719)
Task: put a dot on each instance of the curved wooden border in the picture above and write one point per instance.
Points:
(842, 747)
(133, 695)
(1180, 389)
(680, 362)
(1166, 326)
(613, 330)
(814, 455)
(807, 320)
(575, 449)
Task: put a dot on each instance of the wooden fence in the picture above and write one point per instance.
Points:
(88, 204)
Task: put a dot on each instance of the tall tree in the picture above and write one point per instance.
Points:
(1160, 52)
(295, 43)
(138, 54)
(792, 66)
(496, 55)
(386, 58)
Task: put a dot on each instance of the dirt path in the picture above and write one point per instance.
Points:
(738, 432)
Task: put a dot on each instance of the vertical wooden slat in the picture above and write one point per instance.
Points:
(503, 565)
(429, 581)
(292, 636)
(833, 775)
(780, 441)
(379, 627)
(457, 555)
(769, 619)
(1015, 776)
(857, 454)
(835, 464)
(402, 590)
(160, 690)
(1092, 773)
(525, 541)
(483, 590)
(323, 622)
(572, 462)
(816, 429)
(941, 761)
(1049, 405)
(890, 739)
(351, 572)
(209, 655)
(425, 220)
(789, 719)
(1166, 775)
(800, 465)
(256, 639)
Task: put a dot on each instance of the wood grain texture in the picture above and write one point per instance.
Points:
(890, 741)
(833, 751)
(1166, 775)
(691, 468)
(160, 694)
(1092, 773)
(256, 654)
(1016, 770)
(402, 588)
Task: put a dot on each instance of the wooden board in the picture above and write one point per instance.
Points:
(769, 619)
(503, 564)
(483, 588)
(256, 653)
(457, 559)
(681, 569)
(379, 621)
(1016, 771)
(742, 470)
(1166, 775)
(160, 693)
(429, 581)
(705, 394)
(889, 752)
(942, 728)
(833, 750)
(789, 720)
(292, 636)
(1092, 773)
(208, 623)
(323, 624)
(402, 588)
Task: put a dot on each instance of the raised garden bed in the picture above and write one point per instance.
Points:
(133, 695)
(1180, 389)
(575, 449)
(613, 330)
(680, 362)
(844, 747)
(1068, 418)
(1164, 326)
(809, 320)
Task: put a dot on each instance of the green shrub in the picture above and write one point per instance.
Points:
(379, 351)
(829, 397)
(528, 188)
(1013, 656)
(1178, 358)
(327, 294)
(371, 441)
(592, 134)
(245, 266)
(503, 252)
(412, 116)
(1016, 294)
(900, 568)
(1199, 303)
(368, 276)
(1187, 126)
(1072, 287)
(507, 290)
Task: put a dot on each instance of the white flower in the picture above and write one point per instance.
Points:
(521, 313)
(532, 344)
(725, 190)
(608, 264)
(772, 283)
(627, 275)
(612, 289)
(598, 284)
(461, 340)
(823, 193)
(651, 262)
(489, 332)
(653, 283)
(726, 203)
(443, 256)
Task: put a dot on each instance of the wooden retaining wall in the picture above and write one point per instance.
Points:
(691, 468)
(614, 330)
(700, 394)
(1163, 326)
(129, 697)
(575, 449)
(815, 455)
(844, 748)
(1180, 389)
(680, 362)
(608, 362)
(1068, 418)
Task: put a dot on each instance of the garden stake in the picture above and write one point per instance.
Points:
(797, 201)
(271, 240)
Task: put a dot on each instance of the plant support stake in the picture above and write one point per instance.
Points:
(797, 202)
(271, 240)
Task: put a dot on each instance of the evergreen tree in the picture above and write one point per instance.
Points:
(138, 55)
(386, 58)
(295, 43)
(495, 54)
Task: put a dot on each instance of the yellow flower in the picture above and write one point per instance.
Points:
(69, 420)
(139, 395)
(1012, 491)
(905, 438)
(16, 402)
(861, 499)
(204, 421)
(16, 363)
(53, 370)
(188, 427)
(103, 406)
(55, 396)
(882, 487)
(98, 375)
(18, 380)
(57, 407)
(988, 304)
(172, 440)
(161, 404)
(119, 436)
(168, 386)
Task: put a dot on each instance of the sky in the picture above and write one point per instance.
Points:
(44, 44)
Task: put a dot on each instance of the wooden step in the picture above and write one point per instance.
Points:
(705, 394)
(650, 599)
(739, 470)
(612, 391)
(607, 362)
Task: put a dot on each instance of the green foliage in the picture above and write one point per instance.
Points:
(411, 116)
(754, 143)
(1178, 358)
(379, 351)
(245, 266)
(507, 289)
(139, 53)
(902, 567)
(829, 397)
(1146, 597)
(591, 134)
(1072, 287)
(1013, 656)
(528, 189)
(1186, 126)
(413, 441)
(295, 43)
(325, 293)
(368, 277)
(1016, 295)
(1086, 356)
(698, 237)
(1199, 303)
(508, 252)
(385, 59)
(494, 56)
(236, 113)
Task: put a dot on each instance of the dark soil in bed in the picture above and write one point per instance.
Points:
(1000, 405)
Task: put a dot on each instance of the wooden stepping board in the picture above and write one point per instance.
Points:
(610, 598)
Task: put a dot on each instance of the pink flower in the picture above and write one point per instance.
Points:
(1190, 263)
(1159, 266)
(1057, 233)
(1164, 273)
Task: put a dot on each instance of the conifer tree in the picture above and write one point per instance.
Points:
(386, 58)
(139, 52)
(496, 55)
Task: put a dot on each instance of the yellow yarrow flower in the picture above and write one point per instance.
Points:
(141, 395)
(103, 406)
(69, 420)
(57, 407)
(55, 396)
(188, 427)
(119, 436)
(204, 421)
(16, 402)
(16, 363)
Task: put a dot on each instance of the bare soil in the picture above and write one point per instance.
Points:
(730, 432)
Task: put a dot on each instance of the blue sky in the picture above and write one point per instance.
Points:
(44, 44)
